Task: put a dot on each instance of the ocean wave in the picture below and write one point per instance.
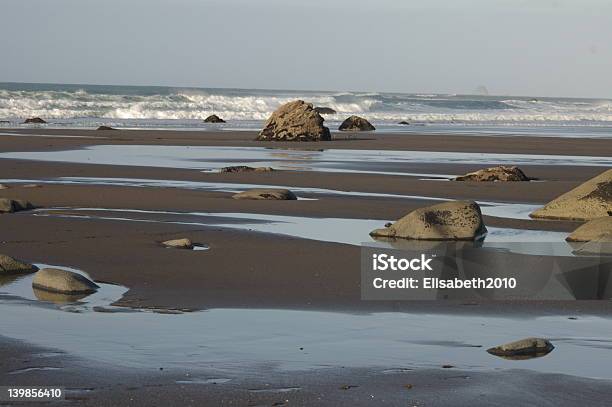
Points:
(197, 104)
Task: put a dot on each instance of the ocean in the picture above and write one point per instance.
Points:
(87, 106)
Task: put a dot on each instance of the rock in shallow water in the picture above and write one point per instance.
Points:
(9, 265)
(63, 281)
(266, 194)
(458, 220)
(524, 348)
(495, 174)
(295, 121)
(590, 200)
(592, 230)
(356, 123)
(244, 168)
(183, 243)
(14, 205)
(34, 120)
(105, 128)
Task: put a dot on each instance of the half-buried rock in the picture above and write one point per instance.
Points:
(9, 265)
(266, 194)
(356, 123)
(523, 349)
(105, 128)
(213, 118)
(590, 200)
(179, 244)
(592, 230)
(244, 168)
(295, 121)
(63, 281)
(495, 174)
(14, 205)
(34, 120)
(457, 220)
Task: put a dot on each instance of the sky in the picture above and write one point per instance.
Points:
(511, 47)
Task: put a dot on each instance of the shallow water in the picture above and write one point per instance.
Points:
(336, 230)
(360, 161)
(497, 209)
(233, 342)
(236, 341)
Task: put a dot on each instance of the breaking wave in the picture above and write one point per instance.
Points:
(64, 102)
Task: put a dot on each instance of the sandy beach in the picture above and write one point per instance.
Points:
(107, 219)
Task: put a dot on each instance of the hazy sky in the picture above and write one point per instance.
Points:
(519, 47)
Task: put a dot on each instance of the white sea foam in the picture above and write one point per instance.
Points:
(112, 103)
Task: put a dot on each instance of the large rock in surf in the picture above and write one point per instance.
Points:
(324, 110)
(457, 220)
(34, 120)
(592, 230)
(63, 281)
(528, 347)
(266, 194)
(295, 121)
(495, 174)
(590, 200)
(356, 123)
(105, 128)
(14, 205)
(183, 243)
(244, 168)
(9, 265)
(213, 118)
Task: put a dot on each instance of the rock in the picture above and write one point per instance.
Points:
(31, 186)
(244, 168)
(590, 200)
(105, 128)
(179, 243)
(600, 246)
(457, 220)
(270, 194)
(63, 281)
(529, 347)
(405, 123)
(295, 121)
(14, 205)
(34, 120)
(356, 123)
(2, 186)
(500, 173)
(325, 110)
(213, 118)
(592, 230)
(9, 265)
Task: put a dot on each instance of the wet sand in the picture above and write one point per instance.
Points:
(273, 271)
(98, 384)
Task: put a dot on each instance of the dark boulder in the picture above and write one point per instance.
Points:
(324, 110)
(34, 120)
(356, 123)
(213, 118)
(105, 128)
